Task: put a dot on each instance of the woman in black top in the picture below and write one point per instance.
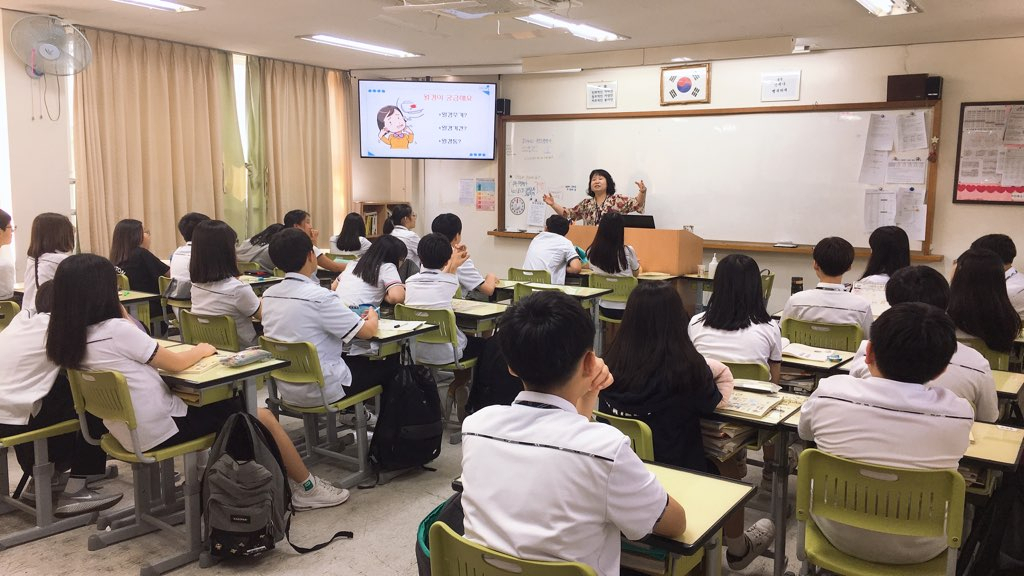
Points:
(129, 251)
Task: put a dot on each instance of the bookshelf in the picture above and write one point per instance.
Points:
(374, 214)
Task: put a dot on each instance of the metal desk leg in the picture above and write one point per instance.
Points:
(249, 390)
(713, 555)
(780, 488)
(598, 334)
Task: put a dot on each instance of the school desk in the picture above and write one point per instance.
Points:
(475, 316)
(819, 366)
(585, 296)
(391, 334)
(260, 283)
(211, 385)
(995, 445)
(1008, 384)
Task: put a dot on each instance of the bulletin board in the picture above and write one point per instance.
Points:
(990, 153)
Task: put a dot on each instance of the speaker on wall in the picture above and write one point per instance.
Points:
(934, 88)
(502, 106)
(903, 87)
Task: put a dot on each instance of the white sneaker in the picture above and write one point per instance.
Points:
(322, 495)
(758, 536)
(349, 418)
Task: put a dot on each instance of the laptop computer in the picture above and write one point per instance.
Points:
(638, 220)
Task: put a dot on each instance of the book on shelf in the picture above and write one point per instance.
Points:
(750, 404)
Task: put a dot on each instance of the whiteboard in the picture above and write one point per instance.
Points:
(764, 177)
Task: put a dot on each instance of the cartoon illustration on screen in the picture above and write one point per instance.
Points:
(394, 128)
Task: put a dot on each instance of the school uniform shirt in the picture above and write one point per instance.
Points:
(757, 343)
(632, 265)
(542, 482)
(411, 240)
(875, 279)
(889, 423)
(249, 252)
(830, 303)
(434, 289)
(969, 376)
(469, 277)
(354, 291)
(364, 245)
(180, 261)
(118, 344)
(228, 297)
(26, 374)
(143, 270)
(44, 268)
(7, 275)
(299, 309)
(1015, 289)
(551, 252)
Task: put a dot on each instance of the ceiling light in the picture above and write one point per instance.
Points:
(801, 49)
(579, 30)
(164, 5)
(890, 7)
(682, 59)
(361, 46)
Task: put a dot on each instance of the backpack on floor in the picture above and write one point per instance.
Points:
(492, 383)
(409, 426)
(247, 503)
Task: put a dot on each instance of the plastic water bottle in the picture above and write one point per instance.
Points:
(713, 265)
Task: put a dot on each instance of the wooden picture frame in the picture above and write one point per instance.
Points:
(687, 84)
(990, 153)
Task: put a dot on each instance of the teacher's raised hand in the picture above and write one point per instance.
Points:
(641, 187)
(549, 199)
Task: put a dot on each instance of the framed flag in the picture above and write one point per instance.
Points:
(689, 84)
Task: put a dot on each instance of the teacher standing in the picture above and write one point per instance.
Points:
(602, 200)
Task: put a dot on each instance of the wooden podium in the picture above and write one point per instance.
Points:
(675, 252)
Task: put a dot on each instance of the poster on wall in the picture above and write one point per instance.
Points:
(990, 153)
(486, 195)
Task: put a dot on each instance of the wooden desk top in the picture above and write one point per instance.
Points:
(580, 292)
(1008, 384)
(995, 444)
(476, 310)
(816, 365)
(220, 374)
(776, 418)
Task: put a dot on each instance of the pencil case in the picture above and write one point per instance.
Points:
(247, 356)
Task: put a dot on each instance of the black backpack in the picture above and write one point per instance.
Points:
(409, 426)
(492, 382)
(996, 544)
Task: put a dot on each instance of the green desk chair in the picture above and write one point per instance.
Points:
(893, 501)
(749, 371)
(767, 281)
(218, 331)
(175, 304)
(244, 267)
(305, 369)
(622, 286)
(453, 555)
(523, 275)
(43, 471)
(278, 273)
(123, 283)
(8, 310)
(822, 334)
(105, 395)
(639, 433)
(998, 360)
(521, 291)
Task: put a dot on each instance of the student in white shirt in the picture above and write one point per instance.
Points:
(51, 241)
(7, 273)
(892, 419)
(89, 330)
(610, 255)
(978, 302)
(829, 302)
(255, 249)
(351, 240)
(541, 481)
(400, 225)
(890, 251)
(552, 251)
(450, 226)
(374, 277)
(33, 395)
(182, 256)
(301, 219)
(216, 289)
(1003, 245)
(299, 309)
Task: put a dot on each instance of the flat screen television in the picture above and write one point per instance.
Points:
(445, 120)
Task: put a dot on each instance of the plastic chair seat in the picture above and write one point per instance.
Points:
(219, 331)
(114, 448)
(8, 310)
(640, 436)
(845, 337)
(827, 556)
(346, 402)
(59, 429)
(453, 555)
(526, 275)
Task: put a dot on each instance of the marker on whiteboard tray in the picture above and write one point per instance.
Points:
(785, 245)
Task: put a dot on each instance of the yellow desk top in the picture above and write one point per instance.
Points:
(220, 374)
(477, 309)
(581, 292)
(995, 444)
(781, 414)
(698, 277)
(257, 280)
(1008, 384)
(795, 362)
(656, 276)
(132, 296)
(506, 284)
(391, 330)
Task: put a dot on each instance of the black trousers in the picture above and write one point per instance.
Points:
(368, 373)
(203, 420)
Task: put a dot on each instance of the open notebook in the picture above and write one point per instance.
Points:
(806, 352)
(750, 404)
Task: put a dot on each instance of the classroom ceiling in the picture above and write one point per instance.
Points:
(269, 27)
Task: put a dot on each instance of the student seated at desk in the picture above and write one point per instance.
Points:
(552, 251)
(301, 219)
(182, 257)
(33, 395)
(829, 302)
(891, 419)
(129, 251)
(51, 241)
(255, 249)
(351, 241)
(890, 251)
(89, 330)
(1003, 245)
(216, 289)
(400, 225)
(978, 303)
(969, 374)
(541, 481)
(299, 309)
(450, 226)
(7, 273)
(610, 255)
(661, 379)
(374, 277)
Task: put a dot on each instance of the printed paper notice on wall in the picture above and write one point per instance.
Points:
(602, 94)
(780, 86)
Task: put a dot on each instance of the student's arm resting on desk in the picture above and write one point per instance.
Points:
(490, 282)
(324, 261)
(775, 370)
(575, 265)
(395, 294)
(672, 523)
(637, 503)
(370, 322)
(177, 361)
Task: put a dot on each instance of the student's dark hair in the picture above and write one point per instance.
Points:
(84, 293)
(44, 297)
(127, 237)
(434, 251)
(386, 111)
(448, 225)
(263, 238)
(652, 344)
(913, 342)
(918, 284)
(352, 229)
(294, 218)
(398, 213)
(610, 188)
(608, 251)
(544, 337)
(834, 255)
(978, 302)
(289, 249)
(387, 249)
(188, 223)
(5, 220)
(213, 252)
(51, 232)
(737, 300)
(890, 251)
(1001, 244)
(557, 224)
